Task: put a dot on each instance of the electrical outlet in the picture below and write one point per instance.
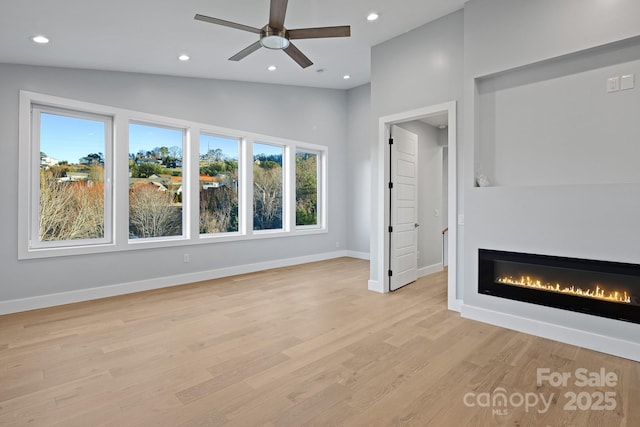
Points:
(613, 84)
(187, 258)
(337, 244)
(627, 82)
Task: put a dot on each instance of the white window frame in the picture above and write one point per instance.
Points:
(117, 155)
(321, 183)
(177, 126)
(241, 186)
(34, 229)
(29, 175)
(286, 188)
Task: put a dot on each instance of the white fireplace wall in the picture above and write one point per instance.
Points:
(582, 218)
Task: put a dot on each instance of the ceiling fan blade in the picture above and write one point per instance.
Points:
(276, 14)
(321, 32)
(298, 56)
(226, 23)
(246, 51)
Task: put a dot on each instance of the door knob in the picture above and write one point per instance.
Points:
(416, 225)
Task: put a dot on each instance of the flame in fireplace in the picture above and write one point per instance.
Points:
(597, 293)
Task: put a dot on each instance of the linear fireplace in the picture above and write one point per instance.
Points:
(601, 288)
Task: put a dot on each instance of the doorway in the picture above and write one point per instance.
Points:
(381, 254)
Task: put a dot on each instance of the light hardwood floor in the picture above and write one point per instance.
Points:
(305, 345)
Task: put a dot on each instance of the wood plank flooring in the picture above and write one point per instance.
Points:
(298, 346)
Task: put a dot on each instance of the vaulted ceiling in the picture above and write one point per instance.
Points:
(147, 36)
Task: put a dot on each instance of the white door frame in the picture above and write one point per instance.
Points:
(380, 246)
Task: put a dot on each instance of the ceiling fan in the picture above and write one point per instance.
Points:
(275, 36)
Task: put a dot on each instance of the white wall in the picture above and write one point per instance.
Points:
(421, 68)
(359, 170)
(562, 216)
(429, 193)
(316, 116)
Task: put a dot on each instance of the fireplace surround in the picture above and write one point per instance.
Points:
(600, 288)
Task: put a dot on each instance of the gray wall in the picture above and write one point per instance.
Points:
(429, 192)
(316, 116)
(359, 169)
(421, 68)
(531, 133)
(591, 215)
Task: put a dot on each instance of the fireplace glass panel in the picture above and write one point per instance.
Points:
(607, 289)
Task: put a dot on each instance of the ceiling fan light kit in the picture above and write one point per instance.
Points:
(275, 36)
(274, 39)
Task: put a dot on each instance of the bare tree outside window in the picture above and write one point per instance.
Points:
(155, 181)
(71, 191)
(267, 187)
(306, 188)
(218, 184)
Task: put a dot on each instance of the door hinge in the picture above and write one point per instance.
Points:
(390, 141)
(391, 185)
(390, 273)
(390, 229)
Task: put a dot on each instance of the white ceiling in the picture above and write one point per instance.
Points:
(440, 121)
(146, 36)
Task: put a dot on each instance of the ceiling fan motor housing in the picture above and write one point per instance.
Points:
(272, 38)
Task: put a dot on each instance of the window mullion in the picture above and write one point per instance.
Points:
(191, 160)
(289, 193)
(121, 180)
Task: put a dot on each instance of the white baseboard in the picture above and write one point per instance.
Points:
(430, 269)
(359, 255)
(455, 305)
(51, 300)
(376, 286)
(601, 343)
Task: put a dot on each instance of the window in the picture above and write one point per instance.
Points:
(267, 187)
(95, 179)
(155, 181)
(72, 197)
(306, 188)
(218, 184)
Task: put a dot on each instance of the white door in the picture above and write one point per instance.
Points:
(404, 208)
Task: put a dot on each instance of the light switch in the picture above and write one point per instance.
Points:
(460, 219)
(627, 82)
(613, 84)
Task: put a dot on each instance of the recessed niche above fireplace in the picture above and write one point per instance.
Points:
(600, 288)
(545, 123)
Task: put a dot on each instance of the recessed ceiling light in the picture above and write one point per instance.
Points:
(346, 77)
(272, 68)
(184, 57)
(40, 39)
(372, 16)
